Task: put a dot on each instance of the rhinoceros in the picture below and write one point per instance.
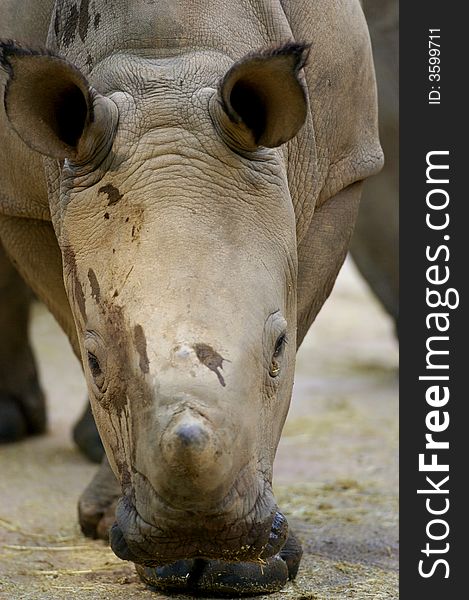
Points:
(179, 182)
(375, 241)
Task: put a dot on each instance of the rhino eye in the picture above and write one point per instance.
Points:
(274, 369)
(280, 344)
(95, 370)
(93, 364)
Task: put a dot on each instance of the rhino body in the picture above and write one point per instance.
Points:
(375, 242)
(179, 186)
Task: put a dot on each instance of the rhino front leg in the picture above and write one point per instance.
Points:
(86, 436)
(97, 504)
(322, 252)
(33, 246)
(22, 405)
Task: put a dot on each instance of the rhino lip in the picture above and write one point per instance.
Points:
(150, 553)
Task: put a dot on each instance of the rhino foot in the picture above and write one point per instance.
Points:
(86, 436)
(22, 415)
(212, 577)
(97, 504)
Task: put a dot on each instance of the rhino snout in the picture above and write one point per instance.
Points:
(191, 447)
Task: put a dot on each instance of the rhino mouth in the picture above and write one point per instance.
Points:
(133, 539)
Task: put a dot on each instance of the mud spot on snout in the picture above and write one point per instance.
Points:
(70, 28)
(84, 20)
(211, 359)
(95, 291)
(57, 21)
(126, 479)
(112, 192)
(70, 264)
(141, 346)
(116, 397)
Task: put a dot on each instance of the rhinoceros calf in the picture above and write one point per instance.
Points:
(179, 185)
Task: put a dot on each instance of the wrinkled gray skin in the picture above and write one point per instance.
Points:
(375, 242)
(183, 206)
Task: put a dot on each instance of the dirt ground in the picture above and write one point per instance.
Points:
(336, 472)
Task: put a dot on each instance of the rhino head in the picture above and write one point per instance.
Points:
(169, 198)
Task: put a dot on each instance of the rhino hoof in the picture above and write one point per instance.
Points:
(86, 437)
(21, 417)
(212, 577)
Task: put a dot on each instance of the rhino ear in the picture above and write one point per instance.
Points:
(263, 92)
(48, 101)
